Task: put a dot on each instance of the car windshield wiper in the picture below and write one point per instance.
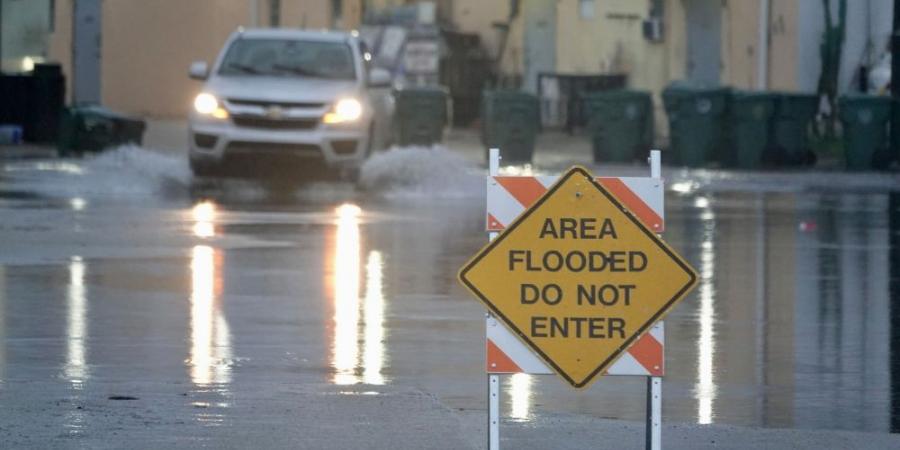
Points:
(244, 68)
(299, 70)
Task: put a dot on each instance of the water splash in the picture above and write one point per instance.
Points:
(421, 172)
(128, 171)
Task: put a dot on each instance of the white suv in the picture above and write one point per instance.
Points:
(288, 96)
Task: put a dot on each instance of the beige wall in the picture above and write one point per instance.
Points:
(477, 16)
(739, 44)
(148, 46)
(783, 45)
(144, 65)
(305, 14)
(740, 52)
(59, 45)
(613, 42)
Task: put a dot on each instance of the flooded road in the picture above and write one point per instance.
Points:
(121, 277)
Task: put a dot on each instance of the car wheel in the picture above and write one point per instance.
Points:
(370, 145)
(203, 168)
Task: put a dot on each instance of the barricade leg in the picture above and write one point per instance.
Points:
(654, 413)
(493, 412)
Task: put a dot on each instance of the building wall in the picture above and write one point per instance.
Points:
(148, 46)
(478, 16)
(867, 38)
(59, 43)
(740, 36)
(612, 41)
(305, 14)
(145, 66)
(784, 47)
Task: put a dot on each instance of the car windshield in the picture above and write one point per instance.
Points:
(289, 58)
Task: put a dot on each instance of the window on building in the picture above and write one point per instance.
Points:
(275, 13)
(586, 9)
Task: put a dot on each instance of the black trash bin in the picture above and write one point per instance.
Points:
(791, 125)
(866, 121)
(696, 123)
(48, 99)
(620, 123)
(510, 121)
(749, 117)
(94, 128)
(421, 115)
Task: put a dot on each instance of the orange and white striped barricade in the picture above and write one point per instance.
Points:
(510, 196)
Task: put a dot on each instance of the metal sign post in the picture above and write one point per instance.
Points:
(536, 335)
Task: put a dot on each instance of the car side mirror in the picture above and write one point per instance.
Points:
(199, 70)
(379, 78)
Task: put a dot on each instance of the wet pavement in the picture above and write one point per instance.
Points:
(137, 303)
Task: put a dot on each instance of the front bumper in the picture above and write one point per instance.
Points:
(338, 146)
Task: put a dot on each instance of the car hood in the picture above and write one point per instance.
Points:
(281, 89)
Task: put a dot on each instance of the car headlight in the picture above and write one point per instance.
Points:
(207, 104)
(345, 110)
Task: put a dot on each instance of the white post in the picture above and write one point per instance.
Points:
(654, 384)
(655, 161)
(493, 380)
(654, 413)
(494, 412)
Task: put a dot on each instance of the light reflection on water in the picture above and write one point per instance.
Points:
(346, 296)
(373, 349)
(76, 371)
(706, 345)
(76, 329)
(204, 213)
(520, 396)
(356, 360)
(210, 352)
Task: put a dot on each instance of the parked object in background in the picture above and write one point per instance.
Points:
(510, 122)
(93, 128)
(696, 123)
(866, 120)
(562, 96)
(620, 123)
(791, 127)
(34, 101)
(10, 134)
(465, 70)
(749, 126)
(421, 115)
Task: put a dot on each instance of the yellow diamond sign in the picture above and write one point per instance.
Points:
(578, 278)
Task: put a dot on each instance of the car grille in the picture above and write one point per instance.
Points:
(274, 147)
(265, 104)
(275, 124)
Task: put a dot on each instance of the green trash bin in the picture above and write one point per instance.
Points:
(92, 128)
(510, 122)
(749, 120)
(866, 120)
(791, 124)
(421, 115)
(620, 123)
(696, 123)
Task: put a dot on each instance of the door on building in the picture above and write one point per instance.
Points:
(704, 41)
(540, 41)
(86, 26)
